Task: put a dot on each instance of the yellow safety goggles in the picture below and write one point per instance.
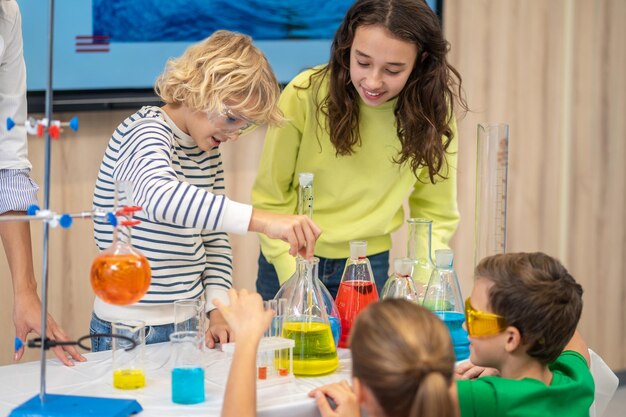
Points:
(480, 323)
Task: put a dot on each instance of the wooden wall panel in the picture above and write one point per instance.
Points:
(554, 72)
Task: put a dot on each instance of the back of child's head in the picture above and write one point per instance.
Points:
(537, 295)
(425, 104)
(224, 70)
(403, 354)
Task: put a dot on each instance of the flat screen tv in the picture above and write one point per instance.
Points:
(107, 53)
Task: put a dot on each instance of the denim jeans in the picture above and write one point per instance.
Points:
(154, 334)
(329, 270)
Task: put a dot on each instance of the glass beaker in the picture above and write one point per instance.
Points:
(187, 367)
(419, 250)
(492, 158)
(189, 316)
(306, 322)
(400, 283)
(121, 274)
(443, 297)
(128, 362)
(356, 290)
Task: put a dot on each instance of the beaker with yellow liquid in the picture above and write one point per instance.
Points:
(307, 324)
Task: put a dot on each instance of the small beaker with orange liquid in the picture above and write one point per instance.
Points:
(357, 289)
(121, 274)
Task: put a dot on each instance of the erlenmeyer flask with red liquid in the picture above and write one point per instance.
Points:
(357, 289)
(121, 274)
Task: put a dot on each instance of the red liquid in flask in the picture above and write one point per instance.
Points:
(352, 297)
(120, 279)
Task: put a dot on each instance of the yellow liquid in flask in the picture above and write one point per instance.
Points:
(315, 352)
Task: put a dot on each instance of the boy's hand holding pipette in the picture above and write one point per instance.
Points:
(297, 230)
(245, 315)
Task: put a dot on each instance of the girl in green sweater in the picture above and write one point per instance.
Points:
(376, 125)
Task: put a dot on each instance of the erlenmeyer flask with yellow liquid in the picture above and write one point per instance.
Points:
(121, 274)
(305, 207)
(306, 322)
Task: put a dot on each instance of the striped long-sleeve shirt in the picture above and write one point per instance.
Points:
(185, 215)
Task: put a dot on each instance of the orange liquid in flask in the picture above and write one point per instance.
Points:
(120, 279)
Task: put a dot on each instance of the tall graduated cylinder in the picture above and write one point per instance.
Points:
(492, 155)
(306, 322)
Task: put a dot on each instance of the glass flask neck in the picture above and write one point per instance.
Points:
(307, 299)
(420, 236)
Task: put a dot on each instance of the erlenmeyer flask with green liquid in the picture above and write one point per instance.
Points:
(306, 322)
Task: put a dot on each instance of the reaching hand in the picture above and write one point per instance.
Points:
(27, 318)
(342, 395)
(467, 370)
(245, 315)
(218, 330)
(297, 230)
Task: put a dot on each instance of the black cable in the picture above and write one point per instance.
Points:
(50, 343)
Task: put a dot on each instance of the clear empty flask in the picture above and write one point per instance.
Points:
(306, 322)
(443, 297)
(419, 250)
(121, 274)
(305, 206)
(492, 156)
(400, 284)
(357, 289)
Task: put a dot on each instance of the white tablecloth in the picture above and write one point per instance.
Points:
(20, 382)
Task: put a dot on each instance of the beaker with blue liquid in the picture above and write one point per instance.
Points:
(443, 297)
(187, 367)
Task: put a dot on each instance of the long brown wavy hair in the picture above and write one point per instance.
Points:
(425, 105)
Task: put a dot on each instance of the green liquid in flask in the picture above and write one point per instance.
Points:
(315, 352)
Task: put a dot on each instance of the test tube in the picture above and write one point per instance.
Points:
(262, 356)
(282, 353)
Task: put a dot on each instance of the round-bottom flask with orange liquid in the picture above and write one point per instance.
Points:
(121, 274)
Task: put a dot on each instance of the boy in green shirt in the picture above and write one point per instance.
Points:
(521, 319)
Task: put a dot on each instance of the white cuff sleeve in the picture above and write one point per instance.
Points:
(236, 218)
(213, 293)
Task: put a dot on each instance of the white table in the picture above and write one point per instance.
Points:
(20, 382)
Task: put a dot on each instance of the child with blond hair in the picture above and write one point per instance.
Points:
(215, 91)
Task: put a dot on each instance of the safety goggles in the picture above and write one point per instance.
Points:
(230, 123)
(480, 323)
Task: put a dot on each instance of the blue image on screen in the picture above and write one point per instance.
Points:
(193, 20)
(124, 44)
